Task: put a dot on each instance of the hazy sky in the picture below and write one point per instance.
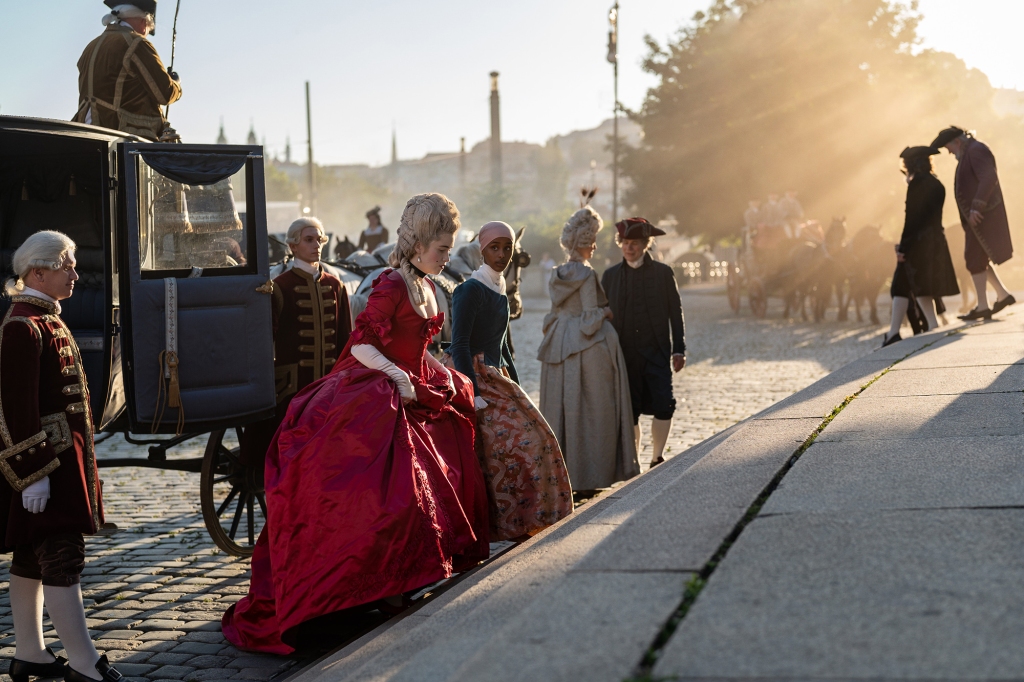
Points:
(421, 66)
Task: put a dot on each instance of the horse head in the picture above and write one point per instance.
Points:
(513, 276)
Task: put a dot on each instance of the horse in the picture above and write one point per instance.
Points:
(812, 272)
(869, 261)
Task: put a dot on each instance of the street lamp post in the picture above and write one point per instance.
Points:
(613, 57)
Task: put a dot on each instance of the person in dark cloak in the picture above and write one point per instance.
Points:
(644, 299)
(924, 270)
(375, 233)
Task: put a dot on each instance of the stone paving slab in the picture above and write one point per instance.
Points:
(903, 382)
(700, 508)
(935, 416)
(985, 349)
(935, 594)
(574, 636)
(821, 397)
(903, 474)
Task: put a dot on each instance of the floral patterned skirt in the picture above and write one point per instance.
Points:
(527, 483)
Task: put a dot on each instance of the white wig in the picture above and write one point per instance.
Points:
(47, 250)
(296, 228)
(127, 11)
(580, 230)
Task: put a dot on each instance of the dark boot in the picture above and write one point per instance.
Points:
(22, 670)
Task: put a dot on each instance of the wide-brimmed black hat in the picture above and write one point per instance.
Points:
(148, 6)
(917, 152)
(947, 136)
(637, 228)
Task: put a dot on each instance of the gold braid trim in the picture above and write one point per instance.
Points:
(17, 483)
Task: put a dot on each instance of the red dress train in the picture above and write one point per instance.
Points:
(366, 497)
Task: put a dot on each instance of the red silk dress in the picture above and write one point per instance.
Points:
(366, 497)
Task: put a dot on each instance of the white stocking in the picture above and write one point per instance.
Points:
(900, 304)
(979, 288)
(996, 283)
(637, 435)
(927, 304)
(27, 611)
(64, 604)
(659, 436)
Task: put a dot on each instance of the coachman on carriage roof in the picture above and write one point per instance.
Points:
(122, 83)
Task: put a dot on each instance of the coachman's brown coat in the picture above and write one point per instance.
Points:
(123, 81)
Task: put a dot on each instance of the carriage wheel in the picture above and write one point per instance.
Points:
(732, 287)
(758, 298)
(231, 493)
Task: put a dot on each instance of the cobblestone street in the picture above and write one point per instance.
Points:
(156, 589)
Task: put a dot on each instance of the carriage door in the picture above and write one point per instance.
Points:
(195, 298)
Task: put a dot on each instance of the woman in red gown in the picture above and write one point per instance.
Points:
(373, 486)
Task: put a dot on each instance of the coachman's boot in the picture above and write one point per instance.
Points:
(103, 667)
(21, 670)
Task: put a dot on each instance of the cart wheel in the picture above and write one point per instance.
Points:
(758, 298)
(231, 494)
(732, 287)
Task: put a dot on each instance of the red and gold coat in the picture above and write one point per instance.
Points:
(46, 426)
(312, 323)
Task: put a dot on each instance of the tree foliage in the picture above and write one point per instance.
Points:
(820, 96)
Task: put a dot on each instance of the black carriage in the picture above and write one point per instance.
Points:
(172, 312)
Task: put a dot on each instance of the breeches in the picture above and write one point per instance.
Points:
(650, 386)
(57, 560)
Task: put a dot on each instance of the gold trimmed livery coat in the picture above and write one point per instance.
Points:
(123, 81)
(46, 426)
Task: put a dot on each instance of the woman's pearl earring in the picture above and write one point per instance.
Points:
(418, 259)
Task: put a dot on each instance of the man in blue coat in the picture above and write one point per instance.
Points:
(648, 316)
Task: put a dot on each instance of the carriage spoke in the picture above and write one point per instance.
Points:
(252, 521)
(224, 505)
(261, 498)
(228, 477)
(238, 515)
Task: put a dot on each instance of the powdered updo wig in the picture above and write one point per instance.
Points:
(46, 250)
(580, 230)
(426, 218)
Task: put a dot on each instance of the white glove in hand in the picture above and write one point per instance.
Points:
(34, 497)
(479, 402)
(372, 358)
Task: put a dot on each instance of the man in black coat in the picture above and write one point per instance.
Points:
(644, 299)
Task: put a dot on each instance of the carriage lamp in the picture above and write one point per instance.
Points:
(613, 34)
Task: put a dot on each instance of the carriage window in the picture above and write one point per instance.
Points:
(188, 226)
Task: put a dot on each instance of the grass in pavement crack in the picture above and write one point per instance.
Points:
(643, 671)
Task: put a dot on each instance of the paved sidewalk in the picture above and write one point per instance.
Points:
(868, 527)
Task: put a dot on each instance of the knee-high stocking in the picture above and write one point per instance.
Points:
(659, 436)
(927, 304)
(27, 611)
(900, 304)
(637, 435)
(64, 604)
(979, 280)
(996, 283)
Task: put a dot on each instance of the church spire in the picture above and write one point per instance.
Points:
(221, 137)
(394, 145)
(252, 133)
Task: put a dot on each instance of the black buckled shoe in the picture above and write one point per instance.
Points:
(1008, 301)
(103, 667)
(892, 339)
(21, 670)
(976, 315)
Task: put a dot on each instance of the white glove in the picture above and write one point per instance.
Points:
(479, 402)
(34, 497)
(372, 358)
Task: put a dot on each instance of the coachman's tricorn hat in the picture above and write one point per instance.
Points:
(373, 211)
(637, 228)
(947, 136)
(148, 6)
